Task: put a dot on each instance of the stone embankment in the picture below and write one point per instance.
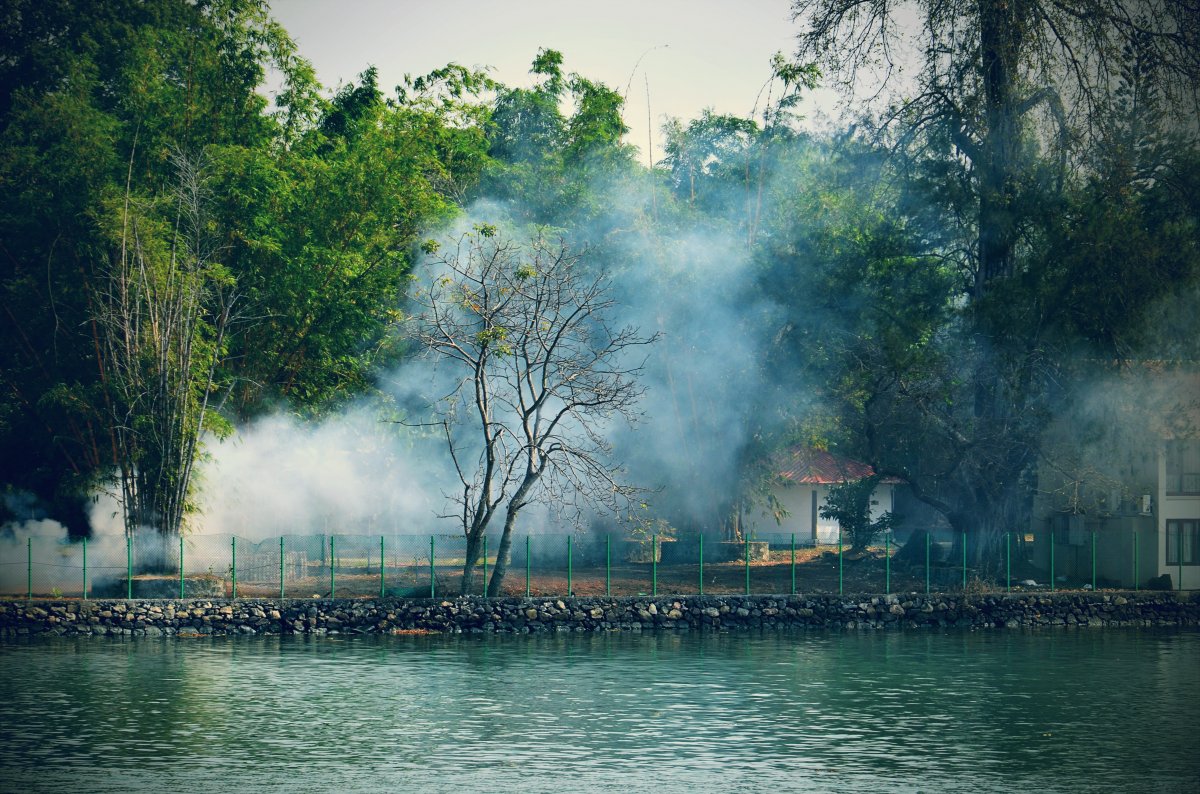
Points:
(588, 614)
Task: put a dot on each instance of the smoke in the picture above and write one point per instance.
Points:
(39, 551)
(692, 280)
(353, 473)
(705, 379)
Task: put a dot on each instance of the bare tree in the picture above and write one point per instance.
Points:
(163, 316)
(542, 370)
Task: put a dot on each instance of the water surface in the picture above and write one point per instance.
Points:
(1074, 711)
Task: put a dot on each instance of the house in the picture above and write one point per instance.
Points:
(801, 479)
(1119, 483)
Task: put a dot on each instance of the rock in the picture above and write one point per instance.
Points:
(1160, 583)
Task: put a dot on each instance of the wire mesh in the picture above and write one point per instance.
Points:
(421, 566)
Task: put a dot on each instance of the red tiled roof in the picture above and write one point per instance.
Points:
(817, 466)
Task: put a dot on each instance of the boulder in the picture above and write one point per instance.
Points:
(1160, 583)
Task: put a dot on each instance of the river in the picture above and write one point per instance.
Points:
(1054, 711)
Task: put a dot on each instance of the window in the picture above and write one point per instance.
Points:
(1187, 531)
(1183, 467)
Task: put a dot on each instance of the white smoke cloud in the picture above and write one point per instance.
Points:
(352, 473)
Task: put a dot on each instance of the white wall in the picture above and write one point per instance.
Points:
(1173, 507)
(797, 500)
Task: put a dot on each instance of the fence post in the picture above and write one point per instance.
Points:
(233, 567)
(1093, 560)
(569, 561)
(701, 564)
(747, 566)
(1008, 561)
(432, 574)
(485, 569)
(181, 591)
(887, 563)
(608, 564)
(1179, 545)
(840, 560)
(927, 536)
(654, 563)
(28, 569)
(85, 568)
(1052, 561)
(128, 567)
(1135, 561)
(281, 569)
(964, 545)
(793, 563)
(382, 585)
(527, 558)
(332, 570)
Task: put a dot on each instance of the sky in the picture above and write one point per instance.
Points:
(689, 54)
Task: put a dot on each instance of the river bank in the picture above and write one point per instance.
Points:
(595, 614)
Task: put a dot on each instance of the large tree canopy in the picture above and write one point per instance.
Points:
(311, 207)
(924, 288)
(1039, 142)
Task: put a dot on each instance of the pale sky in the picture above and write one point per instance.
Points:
(716, 54)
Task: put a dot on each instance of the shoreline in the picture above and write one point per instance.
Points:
(541, 615)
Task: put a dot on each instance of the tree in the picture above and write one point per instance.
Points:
(541, 370)
(989, 68)
(849, 504)
(1007, 97)
(554, 169)
(163, 316)
(95, 97)
(707, 155)
(323, 239)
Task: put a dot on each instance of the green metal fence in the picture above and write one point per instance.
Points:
(425, 566)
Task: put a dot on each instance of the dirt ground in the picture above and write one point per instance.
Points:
(815, 571)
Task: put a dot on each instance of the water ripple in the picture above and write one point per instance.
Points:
(906, 712)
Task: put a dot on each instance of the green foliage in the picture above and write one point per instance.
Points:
(850, 504)
(317, 206)
(549, 168)
(927, 303)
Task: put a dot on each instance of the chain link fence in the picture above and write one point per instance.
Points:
(424, 566)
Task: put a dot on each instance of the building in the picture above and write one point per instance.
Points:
(1119, 484)
(800, 481)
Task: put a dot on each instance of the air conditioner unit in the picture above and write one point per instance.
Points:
(1147, 505)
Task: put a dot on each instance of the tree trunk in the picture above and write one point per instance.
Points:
(502, 554)
(474, 544)
(1001, 36)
